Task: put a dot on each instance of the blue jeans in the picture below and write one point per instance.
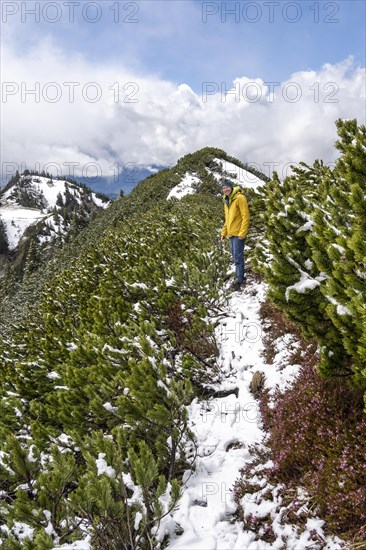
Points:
(237, 251)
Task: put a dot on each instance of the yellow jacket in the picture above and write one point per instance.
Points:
(237, 215)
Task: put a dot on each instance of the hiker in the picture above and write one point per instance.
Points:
(236, 226)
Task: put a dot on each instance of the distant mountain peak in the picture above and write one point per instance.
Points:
(31, 198)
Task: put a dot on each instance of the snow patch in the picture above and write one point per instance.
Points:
(103, 467)
(186, 187)
(240, 175)
(305, 283)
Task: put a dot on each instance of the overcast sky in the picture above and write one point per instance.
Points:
(90, 86)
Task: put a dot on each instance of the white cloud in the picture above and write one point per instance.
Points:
(145, 120)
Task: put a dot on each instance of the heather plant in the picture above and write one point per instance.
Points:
(314, 453)
(317, 437)
(315, 443)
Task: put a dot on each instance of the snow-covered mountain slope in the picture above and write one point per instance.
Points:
(238, 174)
(219, 169)
(28, 199)
(16, 220)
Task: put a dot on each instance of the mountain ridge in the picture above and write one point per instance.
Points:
(16, 293)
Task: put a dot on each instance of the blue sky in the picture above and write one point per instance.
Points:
(195, 41)
(169, 51)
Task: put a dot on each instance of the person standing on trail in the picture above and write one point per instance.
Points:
(236, 226)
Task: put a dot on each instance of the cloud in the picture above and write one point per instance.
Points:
(63, 110)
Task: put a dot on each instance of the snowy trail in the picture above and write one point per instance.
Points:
(225, 428)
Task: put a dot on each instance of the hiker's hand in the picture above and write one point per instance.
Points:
(223, 237)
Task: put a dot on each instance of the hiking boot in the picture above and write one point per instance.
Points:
(238, 286)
